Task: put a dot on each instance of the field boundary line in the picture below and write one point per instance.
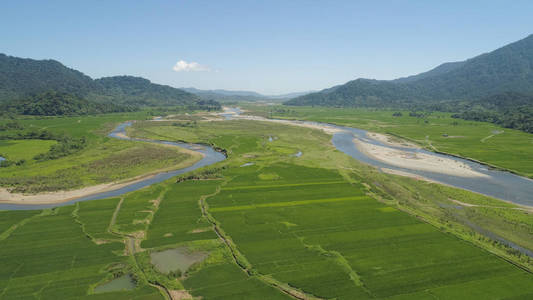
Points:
(288, 203)
(114, 217)
(4, 235)
(241, 260)
(490, 136)
(251, 187)
(340, 260)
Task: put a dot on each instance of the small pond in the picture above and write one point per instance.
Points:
(123, 283)
(176, 259)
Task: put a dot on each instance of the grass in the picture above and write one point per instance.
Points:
(227, 281)
(24, 149)
(505, 148)
(390, 252)
(9, 219)
(137, 208)
(95, 217)
(50, 257)
(179, 218)
(103, 160)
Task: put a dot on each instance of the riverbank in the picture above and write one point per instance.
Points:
(416, 161)
(313, 125)
(7, 197)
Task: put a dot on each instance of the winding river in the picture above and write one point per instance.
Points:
(210, 157)
(497, 184)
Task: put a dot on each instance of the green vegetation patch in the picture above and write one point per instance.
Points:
(179, 218)
(348, 249)
(502, 147)
(24, 149)
(136, 208)
(227, 281)
(50, 257)
(95, 217)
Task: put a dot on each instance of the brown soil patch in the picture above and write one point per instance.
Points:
(199, 230)
(180, 295)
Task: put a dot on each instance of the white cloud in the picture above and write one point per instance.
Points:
(183, 66)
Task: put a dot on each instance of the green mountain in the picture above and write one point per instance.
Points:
(59, 104)
(139, 91)
(231, 96)
(509, 68)
(22, 78)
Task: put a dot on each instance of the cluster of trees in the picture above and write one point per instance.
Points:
(7, 163)
(192, 124)
(53, 103)
(203, 175)
(22, 133)
(66, 145)
(520, 118)
(509, 110)
(13, 125)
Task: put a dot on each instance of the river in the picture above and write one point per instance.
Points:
(210, 157)
(498, 184)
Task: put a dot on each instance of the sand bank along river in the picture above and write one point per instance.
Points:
(409, 160)
(370, 148)
(209, 156)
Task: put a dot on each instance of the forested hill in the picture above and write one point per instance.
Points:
(21, 79)
(231, 96)
(509, 68)
(139, 91)
(60, 104)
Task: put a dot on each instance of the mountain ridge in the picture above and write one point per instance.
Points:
(23, 78)
(231, 95)
(506, 69)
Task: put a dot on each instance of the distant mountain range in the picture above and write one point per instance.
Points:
(507, 69)
(22, 78)
(227, 96)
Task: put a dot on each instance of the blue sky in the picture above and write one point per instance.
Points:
(266, 46)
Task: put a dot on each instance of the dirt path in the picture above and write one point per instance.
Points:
(526, 209)
(241, 261)
(483, 140)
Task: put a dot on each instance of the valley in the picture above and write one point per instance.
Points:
(266, 150)
(264, 214)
